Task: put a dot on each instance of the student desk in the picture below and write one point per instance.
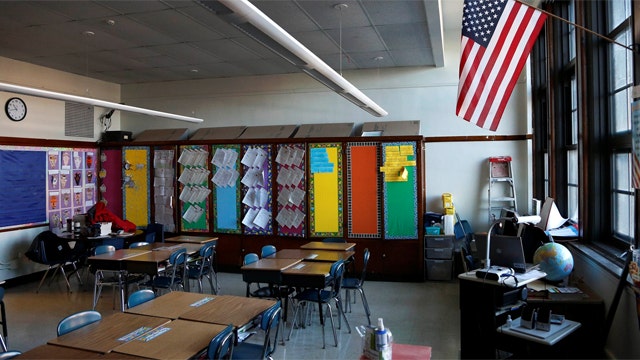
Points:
(312, 255)
(192, 239)
(114, 261)
(319, 245)
(171, 305)
(109, 332)
(266, 270)
(178, 339)
(48, 351)
(192, 248)
(308, 274)
(228, 309)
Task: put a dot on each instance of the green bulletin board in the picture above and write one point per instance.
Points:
(400, 190)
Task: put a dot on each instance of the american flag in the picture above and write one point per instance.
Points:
(497, 36)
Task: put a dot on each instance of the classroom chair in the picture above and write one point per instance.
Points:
(77, 320)
(353, 284)
(174, 276)
(202, 267)
(139, 297)
(270, 325)
(267, 250)
(138, 244)
(221, 346)
(9, 354)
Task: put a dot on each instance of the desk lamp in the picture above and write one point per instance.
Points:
(493, 273)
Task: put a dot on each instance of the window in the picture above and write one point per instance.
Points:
(583, 132)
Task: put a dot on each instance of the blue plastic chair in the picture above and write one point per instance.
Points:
(270, 325)
(9, 354)
(267, 250)
(324, 298)
(77, 320)
(138, 244)
(154, 233)
(353, 284)
(174, 276)
(222, 345)
(106, 277)
(139, 297)
(202, 267)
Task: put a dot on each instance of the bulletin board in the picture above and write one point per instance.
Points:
(47, 184)
(193, 187)
(257, 190)
(25, 172)
(400, 190)
(363, 190)
(290, 182)
(325, 190)
(226, 192)
(135, 176)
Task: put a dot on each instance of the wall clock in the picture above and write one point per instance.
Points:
(16, 109)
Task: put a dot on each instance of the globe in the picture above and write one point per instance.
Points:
(555, 260)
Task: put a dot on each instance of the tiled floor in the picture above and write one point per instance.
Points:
(416, 313)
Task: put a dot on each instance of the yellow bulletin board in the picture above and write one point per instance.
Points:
(135, 175)
(325, 189)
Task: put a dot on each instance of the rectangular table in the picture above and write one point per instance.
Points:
(312, 274)
(148, 262)
(48, 351)
(266, 270)
(178, 339)
(191, 239)
(312, 255)
(228, 309)
(109, 332)
(171, 305)
(158, 246)
(114, 260)
(319, 245)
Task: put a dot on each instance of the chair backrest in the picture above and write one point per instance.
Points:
(103, 249)
(221, 346)
(334, 240)
(77, 320)
(337, 272)
(270, 320)
(9, 354)
(267, 250)
(139, 297)
(365, 261)
(250, 258)
(138, 244)
(178, 257)
(49, 249)
(154, 233)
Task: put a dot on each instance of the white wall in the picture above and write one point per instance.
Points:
(425, 94)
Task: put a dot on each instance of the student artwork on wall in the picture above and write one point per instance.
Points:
(135, 179)
(226, 194)
(363, 184)
(400, 190)
(164, 175)
(325, 190)
(257, 190)
(194, 187)
(290, 182)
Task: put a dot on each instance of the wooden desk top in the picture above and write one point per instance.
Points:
(319, 245)
(108, 333)
(48, 351)
(312, 255)
(150, 257)
(55, 352)
(229, 309)
(191, 247)
(268, 264)
(191, 239)
(118, 255)
(179, 339)
(171, 305)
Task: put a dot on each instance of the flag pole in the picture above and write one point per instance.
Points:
(534, 4)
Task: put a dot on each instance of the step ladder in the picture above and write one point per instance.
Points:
(502, 191)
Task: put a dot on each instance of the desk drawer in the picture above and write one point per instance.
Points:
(439, 269)
(439, 253)
(439, 241)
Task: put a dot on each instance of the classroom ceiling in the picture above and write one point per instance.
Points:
(128, 42)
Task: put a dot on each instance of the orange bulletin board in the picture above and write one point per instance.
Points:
(363, 190)
(325, 167)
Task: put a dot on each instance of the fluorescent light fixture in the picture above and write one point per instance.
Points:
(253, 22)
(95, 102)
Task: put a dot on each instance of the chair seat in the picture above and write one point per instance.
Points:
(247, 351)
(312, 295)
(350, 283)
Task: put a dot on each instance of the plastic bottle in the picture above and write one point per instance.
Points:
(381, 336)
(509, 321)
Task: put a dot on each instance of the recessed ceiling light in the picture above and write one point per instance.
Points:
(88, 33)
(111, 22)
(194, 70)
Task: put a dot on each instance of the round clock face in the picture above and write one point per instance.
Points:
(16, 109)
